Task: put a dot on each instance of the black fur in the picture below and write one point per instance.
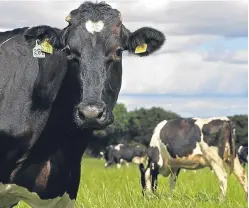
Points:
(41, 99)
(180, 136)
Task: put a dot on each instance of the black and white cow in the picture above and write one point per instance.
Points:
(118, 154)
(50, 102)
(192, 143)
(243, 154)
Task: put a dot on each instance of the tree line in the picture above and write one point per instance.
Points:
(136, 127)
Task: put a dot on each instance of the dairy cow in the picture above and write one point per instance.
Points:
(243, 154)
(192, 143)
(56, 86)
(118, 154)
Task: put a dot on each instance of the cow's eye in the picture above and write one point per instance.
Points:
(67, 50)
(119, 51)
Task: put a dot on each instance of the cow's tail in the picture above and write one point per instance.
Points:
(232, 145)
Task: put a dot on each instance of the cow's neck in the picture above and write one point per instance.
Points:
(54, 163)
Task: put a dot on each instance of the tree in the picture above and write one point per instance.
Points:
(143, 121)
(241, 125)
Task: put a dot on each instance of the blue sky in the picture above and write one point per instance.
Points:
(202, 69)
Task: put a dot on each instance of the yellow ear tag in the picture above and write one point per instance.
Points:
(68, 18)
(141, 48)
(46, 47)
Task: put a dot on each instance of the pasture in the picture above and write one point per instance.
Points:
(120, 188)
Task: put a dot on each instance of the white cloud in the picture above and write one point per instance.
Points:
(182, 73)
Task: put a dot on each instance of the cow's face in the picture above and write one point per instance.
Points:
(95, 40)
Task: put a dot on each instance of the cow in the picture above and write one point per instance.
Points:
(56, 87)
(192, 143)
(120, 153)
(243, 154)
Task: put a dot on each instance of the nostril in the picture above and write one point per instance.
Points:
(81, 114)
(90, 112)
(100, 114)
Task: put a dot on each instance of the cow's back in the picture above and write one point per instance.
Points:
(27, 87)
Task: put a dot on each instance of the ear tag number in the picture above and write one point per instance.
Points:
(37, 51)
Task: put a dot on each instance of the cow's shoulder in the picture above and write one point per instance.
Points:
(180, 136)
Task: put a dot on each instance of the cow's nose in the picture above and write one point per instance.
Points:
(87, 111)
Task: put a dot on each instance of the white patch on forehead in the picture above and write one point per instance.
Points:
(93, 27)
(5, 41)
(11, 193)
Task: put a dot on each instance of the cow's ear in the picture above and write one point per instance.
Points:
(145, 41)
(44, 32)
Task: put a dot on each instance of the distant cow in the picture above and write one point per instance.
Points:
(192, 143)
(243, 155)
(52, 100)
(124, 154)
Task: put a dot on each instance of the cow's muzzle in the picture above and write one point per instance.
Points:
(89, 111)
(93, 115)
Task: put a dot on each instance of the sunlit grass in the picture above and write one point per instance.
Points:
(120, 188)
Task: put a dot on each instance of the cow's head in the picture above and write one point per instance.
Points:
(94, 41)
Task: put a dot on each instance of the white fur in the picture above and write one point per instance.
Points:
(93, 27)
(117, 147)
(240, 148)
(155, 140)
(11, 193)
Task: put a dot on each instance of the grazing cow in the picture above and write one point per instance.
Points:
(124, 154)
(51, 101)
(243, 154)
(192, 143)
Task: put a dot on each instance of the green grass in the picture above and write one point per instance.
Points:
(120, 188)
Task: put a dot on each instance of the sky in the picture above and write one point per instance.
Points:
(201, 70)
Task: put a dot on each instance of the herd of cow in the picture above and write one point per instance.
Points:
(58, 85)
(184, 143)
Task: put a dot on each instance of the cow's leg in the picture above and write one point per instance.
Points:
(148, 179)
(240, 174)
(217, 166)
(154, 178)
(172, 180)
(142, 178)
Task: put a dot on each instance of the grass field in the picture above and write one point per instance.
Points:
(120, 188)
